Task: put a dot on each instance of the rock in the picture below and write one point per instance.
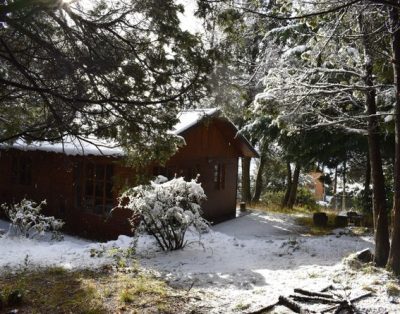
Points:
(354, 218)
(393, 300)
(320, 219)
(365, 256)
(352, 214)
(14, 298)
(341, 221)
(2, 300)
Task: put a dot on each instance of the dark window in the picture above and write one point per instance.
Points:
(180, 173)
(173, 171)
(22, 170)
(159, 171)
(168, 172)
(98, 195)
(219, 176)
(193, 172)
(190, 174)
(61, 207)
(78, 169)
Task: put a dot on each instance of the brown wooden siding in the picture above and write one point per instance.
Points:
(205, 147)
(53, 179)
(57, 178)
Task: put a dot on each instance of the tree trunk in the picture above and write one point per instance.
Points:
(259, 179)
(379, 195)
(288, 185)
(367, 191)
(382, 245)
(394, 255)
(246, 195)
(294, 185)
(335, 190)
(343, 208)
(378, 180)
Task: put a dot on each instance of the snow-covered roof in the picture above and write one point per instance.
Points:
(71, 146)
(189, 118)
(94, 146)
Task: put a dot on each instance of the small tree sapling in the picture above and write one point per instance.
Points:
(27, 221)
(166, 210)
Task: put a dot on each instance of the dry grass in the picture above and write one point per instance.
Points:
(307, 221)
(393, 289)
(302, 215)
(55, 290)
(242, 306)
(275, 208)
(359, 231)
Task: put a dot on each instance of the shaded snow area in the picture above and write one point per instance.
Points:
(70, 253)
(241, 266)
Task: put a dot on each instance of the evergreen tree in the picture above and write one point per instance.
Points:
(326, 70)
(116, 70)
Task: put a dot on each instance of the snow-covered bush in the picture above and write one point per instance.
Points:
(166, 210)
(27, 221)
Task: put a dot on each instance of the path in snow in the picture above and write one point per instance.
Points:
(260, 225)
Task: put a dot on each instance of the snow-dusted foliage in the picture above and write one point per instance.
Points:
(27, 221)
(166, 210)
(315, 76)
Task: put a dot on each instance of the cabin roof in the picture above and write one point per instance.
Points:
(98, 147)
(190, 118)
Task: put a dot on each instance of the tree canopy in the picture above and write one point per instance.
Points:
(113, 69)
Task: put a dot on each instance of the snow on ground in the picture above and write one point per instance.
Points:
(242, 265)
(70, 253)
(248, 262)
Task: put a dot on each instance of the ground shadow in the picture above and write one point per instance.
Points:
(52, 290)
(252, 251)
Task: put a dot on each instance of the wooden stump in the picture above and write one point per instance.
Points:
(320, 219)
(354, 218)
(341, 221)
(14, 298)
(2, 300)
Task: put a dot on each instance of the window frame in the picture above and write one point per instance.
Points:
(219, 176)
(187, 172)
(97, 187)
(21, 171)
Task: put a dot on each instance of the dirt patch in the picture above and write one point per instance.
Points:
(55, 290)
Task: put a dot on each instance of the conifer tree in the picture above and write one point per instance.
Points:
(113, 69)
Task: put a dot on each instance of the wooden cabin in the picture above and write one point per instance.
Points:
(81, 183)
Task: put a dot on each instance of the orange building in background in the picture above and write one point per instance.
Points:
(317, 187)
